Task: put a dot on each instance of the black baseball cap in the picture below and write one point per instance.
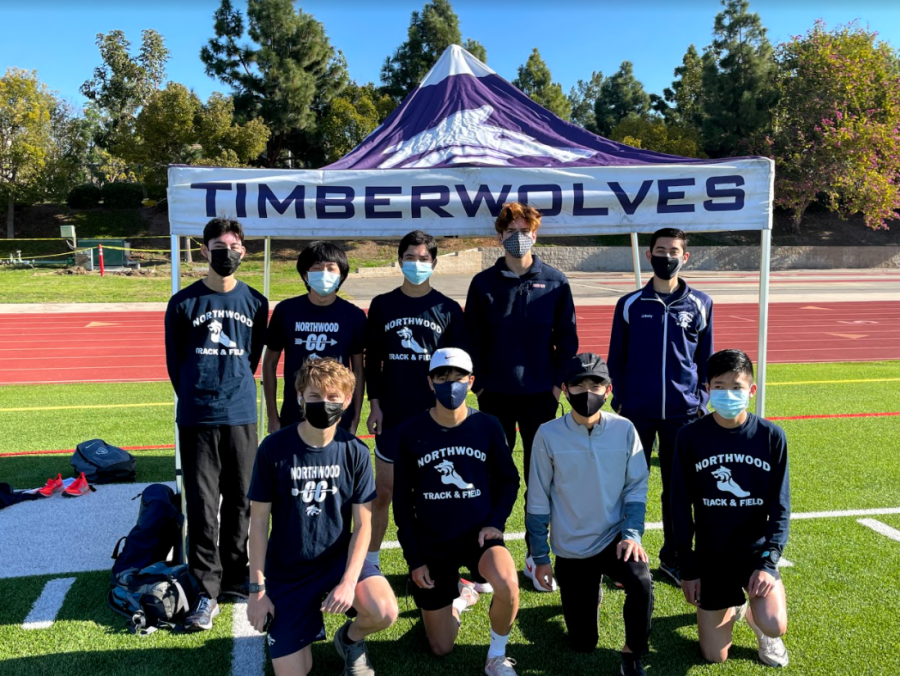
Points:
(587, 365)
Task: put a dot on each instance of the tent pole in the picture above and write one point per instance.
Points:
(636, 260)
(179, 479)
(765, 262)
(261, 425)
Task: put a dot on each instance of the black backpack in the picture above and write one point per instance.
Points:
(103, 463)
(156, 596)
(156, 532)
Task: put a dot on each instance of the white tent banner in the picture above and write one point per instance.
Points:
(729, 195)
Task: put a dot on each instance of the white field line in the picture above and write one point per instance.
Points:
(881, 528)
(46, 608)
(248, 654)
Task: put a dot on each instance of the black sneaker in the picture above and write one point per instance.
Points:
(202, 615)
(240, 590)
(356, 655)
(672, 571)
(631, 666)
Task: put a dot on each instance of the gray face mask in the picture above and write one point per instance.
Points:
(518, 244)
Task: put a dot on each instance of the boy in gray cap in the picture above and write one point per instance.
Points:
(588, 485)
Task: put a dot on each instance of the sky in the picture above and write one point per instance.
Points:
(575, 37)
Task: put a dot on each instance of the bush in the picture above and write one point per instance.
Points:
(85, 196)
(122, 195)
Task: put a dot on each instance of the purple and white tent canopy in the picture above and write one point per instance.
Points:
(460, 145)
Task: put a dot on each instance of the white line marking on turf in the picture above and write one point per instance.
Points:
(248, 654)
(784, 563)
(881, 528)
(46, 608)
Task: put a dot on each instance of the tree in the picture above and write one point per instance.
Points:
(837, 125)
(654, 133)
(351, 117)
(620, 96)
(176, 128)
(738, 81)
(285, 76)
(123, 83)
(582, 98)
(685, 94)
(26, 138)
(535, 81)
(430, 32)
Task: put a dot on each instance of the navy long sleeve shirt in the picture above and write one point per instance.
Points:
(213, 345)
(450, 482)
(730, 492)
(522, 329)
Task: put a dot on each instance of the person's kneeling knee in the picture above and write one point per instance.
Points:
(440, 647)
(714, 656)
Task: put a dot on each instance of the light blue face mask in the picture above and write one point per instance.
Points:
(729, 403)
(323, 282)
(416, 271)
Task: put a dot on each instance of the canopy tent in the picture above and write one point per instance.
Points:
(460, 145)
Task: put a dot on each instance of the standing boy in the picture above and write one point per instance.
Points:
(214, 337)
(589, 488)
(521, 320)
(456, 484)
(404, 328)
(317, 324)
(731, 506)
(312, 478)
(662, 337)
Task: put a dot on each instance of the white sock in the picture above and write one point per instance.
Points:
(374, 558)
(460, 604)
(498, 645)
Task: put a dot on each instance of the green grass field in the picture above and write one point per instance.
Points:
(843, 589)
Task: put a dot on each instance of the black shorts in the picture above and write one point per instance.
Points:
(722, 585)
(298, 619)
(444, 568)
(386, 445)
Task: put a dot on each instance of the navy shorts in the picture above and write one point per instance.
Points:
(443, 568)
(386, 445)
(722, 586)
(298, 620)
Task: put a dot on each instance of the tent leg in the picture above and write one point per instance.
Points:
(765, 263)
(636, 260)
(267, 279)
(181, 555)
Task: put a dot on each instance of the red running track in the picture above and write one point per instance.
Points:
(128, 346)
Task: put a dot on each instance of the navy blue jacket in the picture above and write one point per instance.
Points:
(522, 329)
(658, 352)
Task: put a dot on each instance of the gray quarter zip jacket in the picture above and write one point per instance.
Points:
(589, 486)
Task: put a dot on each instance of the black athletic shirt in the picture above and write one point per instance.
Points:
(401, 335)
(213, 345)
(303, 330)
(731, 486)
(449, 482)
(312, 492)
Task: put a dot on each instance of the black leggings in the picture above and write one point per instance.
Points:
(579, 587)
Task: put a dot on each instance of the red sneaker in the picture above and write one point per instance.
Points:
(52, 486)
(78, 487)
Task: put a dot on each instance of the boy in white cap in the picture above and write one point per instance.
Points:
(455, 486)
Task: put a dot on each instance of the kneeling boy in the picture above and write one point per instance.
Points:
(455, 486)
(589, 486)
(311, 477)
(730, 491)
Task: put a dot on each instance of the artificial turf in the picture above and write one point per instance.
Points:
(843, 589)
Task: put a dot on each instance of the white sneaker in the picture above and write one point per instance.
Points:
(500, 666)
(480, 587)
(772, 651)
(468, 594)
(529, 573)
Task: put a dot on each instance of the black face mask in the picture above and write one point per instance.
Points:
(323, 414)
(224, 261)
(665, 267)
(586, 403)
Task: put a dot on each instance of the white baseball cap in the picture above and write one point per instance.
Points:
(452, 357)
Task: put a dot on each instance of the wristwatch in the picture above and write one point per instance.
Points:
(255, 588)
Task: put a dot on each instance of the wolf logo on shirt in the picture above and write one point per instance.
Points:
(684, 319)
(407, 341)
(449, 475)
(216, 335)
(725, 483)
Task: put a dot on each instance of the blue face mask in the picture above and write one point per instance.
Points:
(451, 394)
(416, 271)
(323, 282)
(729, 403)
